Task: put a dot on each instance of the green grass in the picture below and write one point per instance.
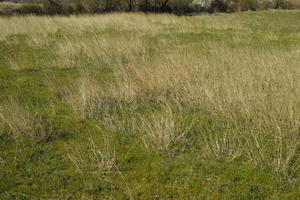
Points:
(94, 84)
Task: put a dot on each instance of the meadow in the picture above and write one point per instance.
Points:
(150, 106)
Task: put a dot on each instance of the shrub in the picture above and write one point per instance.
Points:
(7, 8)
(239, 5)
(201, 5)
(53, 7)
(242, 5)
(180, 6)
(212, 5)
(30, 9)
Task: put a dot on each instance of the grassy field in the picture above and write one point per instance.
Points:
(137, 106)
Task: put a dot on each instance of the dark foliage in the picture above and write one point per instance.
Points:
(180, 7)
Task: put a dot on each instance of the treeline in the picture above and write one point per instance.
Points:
(172, 6)
(66, 7)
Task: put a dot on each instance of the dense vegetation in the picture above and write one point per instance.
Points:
(136, 106)
(66, 7)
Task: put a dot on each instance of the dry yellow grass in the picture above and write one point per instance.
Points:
(163, 130)
(253, 88)
(20, 121)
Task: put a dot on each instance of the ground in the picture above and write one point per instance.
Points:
(150, 106)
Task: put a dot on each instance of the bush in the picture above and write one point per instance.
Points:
(30, 9)
(240, 5)
(181, 6)
(66, 7)
(7, 8)
(10, 8)
(53, 7)
(212, 5)
(155, 5)
(243, 5)
(201, 5)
